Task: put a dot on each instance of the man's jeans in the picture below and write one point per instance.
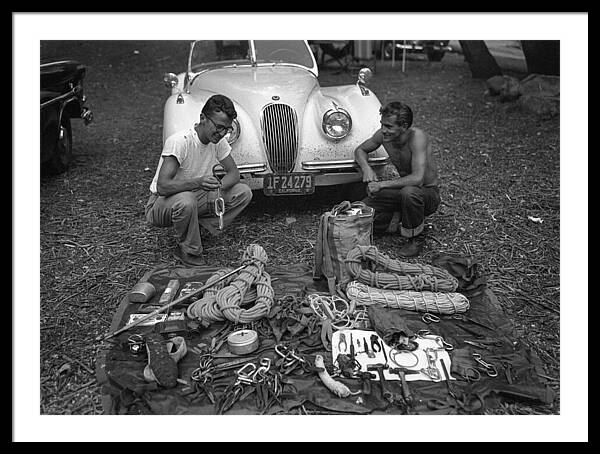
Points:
(186, 211)
(411, 205)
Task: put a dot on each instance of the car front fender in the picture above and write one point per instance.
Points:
(248, 149)
(363, 110)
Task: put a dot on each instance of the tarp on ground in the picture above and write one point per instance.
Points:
(125, 391)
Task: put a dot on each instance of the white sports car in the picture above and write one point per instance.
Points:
(290, 134)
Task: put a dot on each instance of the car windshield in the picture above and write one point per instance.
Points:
(208, 54)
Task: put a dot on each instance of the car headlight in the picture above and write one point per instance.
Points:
(235, 134)
(170, 80)
(337, 123)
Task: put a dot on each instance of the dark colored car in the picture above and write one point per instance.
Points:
(61, 99)
(434, 49)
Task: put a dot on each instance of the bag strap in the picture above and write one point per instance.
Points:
(341, 207)
(328, 269)
(323, 266)
(318, 265)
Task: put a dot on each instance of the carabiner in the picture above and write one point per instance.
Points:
(432, 372)
(282, 350)
(430, 318)
(265, 365)
(219, 206)
(443, 344)
(244, 376)
(490, 369)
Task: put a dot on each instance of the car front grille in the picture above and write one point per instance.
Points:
(279, 124)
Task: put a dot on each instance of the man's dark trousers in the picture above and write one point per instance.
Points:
(412, 204)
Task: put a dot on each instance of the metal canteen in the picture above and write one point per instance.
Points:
(242, 342)
(142, 292)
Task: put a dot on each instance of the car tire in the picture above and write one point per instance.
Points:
(62, 155)
(435, 55)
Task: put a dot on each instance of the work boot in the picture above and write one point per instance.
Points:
(161, 367)
(189, 259)
(177, 349)
(412, 247)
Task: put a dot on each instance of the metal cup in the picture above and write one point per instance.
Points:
(142, 292)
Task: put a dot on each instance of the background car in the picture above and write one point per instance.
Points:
(61, 98)
(434, 49)
(291, 134)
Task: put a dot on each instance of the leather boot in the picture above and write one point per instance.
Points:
(412, 247)
(176, 348)
(161, 367)
(189, 259)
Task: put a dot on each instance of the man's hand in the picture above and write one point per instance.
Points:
(373, 187)
(209, 183)
(369, 175)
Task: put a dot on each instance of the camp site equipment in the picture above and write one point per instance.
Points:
(242, 342)
(219, 204)
(489, 368)
(419, 301)
(400, 371)
(225, 302)
(169, 293)
(398, 275)
(206, 375)
(171, 304)
(142, 292)
(430, 318)
(342, 228)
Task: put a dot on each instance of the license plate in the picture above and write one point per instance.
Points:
(289, 184)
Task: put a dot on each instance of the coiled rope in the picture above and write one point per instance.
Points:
(425, 301)
(224, 300)
(337, 310)
(401, 275)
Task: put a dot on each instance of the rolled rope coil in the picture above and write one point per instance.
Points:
(223, 301)
(424, 301)
(386, 273)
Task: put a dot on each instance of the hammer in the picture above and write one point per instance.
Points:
(405, 389)
(387, 394)
(366, 382)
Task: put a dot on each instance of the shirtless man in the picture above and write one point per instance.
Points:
(409, 198)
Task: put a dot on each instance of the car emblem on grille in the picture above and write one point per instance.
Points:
(275, 98)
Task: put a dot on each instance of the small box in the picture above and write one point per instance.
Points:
(169, 293)
(191, 287)
(157, 318)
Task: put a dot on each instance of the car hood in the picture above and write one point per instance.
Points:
(254, 87)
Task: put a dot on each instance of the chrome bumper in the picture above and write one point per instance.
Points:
(258, 168)
(336, 166)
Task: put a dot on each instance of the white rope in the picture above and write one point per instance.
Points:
(327, 307)
(425, 301)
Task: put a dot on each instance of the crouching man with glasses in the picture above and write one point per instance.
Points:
(184, 188)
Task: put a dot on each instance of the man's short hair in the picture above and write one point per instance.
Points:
(403, 113)
(219, 103)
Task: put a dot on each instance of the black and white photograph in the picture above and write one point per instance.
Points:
(320, 230)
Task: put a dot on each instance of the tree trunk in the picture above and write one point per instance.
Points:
(542, 57)
(483, 65)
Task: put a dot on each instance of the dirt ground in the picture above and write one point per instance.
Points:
(499, 172)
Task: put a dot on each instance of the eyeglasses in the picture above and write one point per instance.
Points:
(220, 128)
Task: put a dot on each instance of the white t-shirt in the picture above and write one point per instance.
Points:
(195, 159)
